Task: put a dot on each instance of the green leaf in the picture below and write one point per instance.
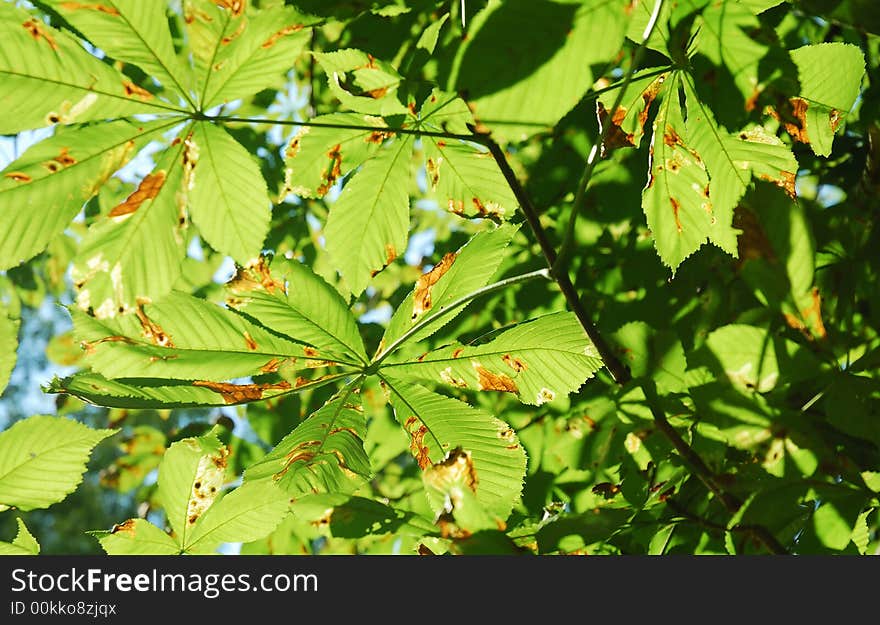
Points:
(572, 532)
(355, 517)
(830, 76)
(227, 196)
(132, 31)
(507, 78)
(24, 543)
(133, 253)
(137, 537)
(304, 309)
(248, 513)
(729, 37)
(324, 453)
(190, 478)
(457, 275)
(676, 198)
(754, 359)
(44, 189)
(428, 39)
(732, 160)
(42, 460)
(539, 360)
(152, 393)
(361, 82)
(368, 224)
(250, 52)
(319, 156)
(438, 424)
(47, 77)
(9, 325)
(834, 519)
(467, 180)
(186, 338)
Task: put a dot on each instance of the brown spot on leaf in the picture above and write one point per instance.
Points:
(834, 119)
(813, 313)
(226, 40)
(287, 30)
(151, 330)
(785, 181)
(310, 352)
(272, 366)
(127, 527)
(671, 137)
(456, 207)
(449, 378)
(377, 94)
(514, 363)
(792, 113)
(18, 176)
(390, 254)
(417, 442)
(101, 8)
(490, 381)
(236, 7)
(457, 352)
(378, 136)
(147, 190)
(237, 393)
(334, 169)
(616, 137)
(255, 276)
(249, 341)
(38, 31)
(64, 159)
(132, 90)
(432, 168)
(422, 299)
(676, 207)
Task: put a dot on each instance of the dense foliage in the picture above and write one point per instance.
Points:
(420, 276)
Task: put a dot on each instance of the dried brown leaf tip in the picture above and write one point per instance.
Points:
(422, 295)
(417, 442)
(239, 393)
(490, 381)
(148, 189)
(38, 30)
(89, 6)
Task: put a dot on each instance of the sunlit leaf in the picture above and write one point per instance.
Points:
(42, 460)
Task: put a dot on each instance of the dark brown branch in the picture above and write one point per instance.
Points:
(615, 366)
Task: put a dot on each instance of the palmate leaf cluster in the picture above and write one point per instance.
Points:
(303, 251)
